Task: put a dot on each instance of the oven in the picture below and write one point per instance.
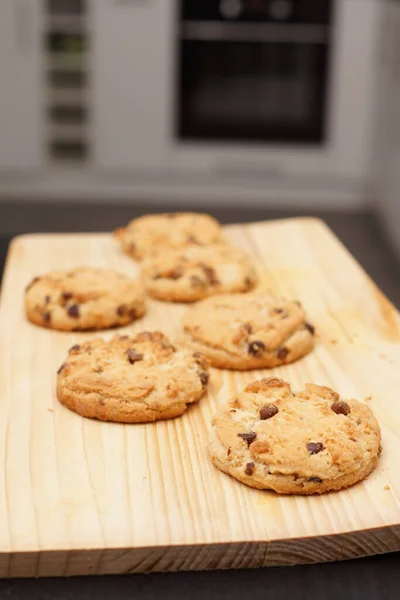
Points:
(254, 71)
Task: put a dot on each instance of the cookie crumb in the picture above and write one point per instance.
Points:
(387, 487)
(50, 410)
(368, 398)
(333, 341)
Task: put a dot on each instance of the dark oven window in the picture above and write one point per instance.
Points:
(252, 81)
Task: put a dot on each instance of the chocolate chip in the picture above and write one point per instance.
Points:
(228, 452)
(47, 299)
(310, 328)
(249, 468)
(75, 348)
(249, 437)
(248, 282)
(282, 353)
(46, 317)
(358, 421)
(314, 480)
(315, 447)
(73, 311)
(296, 476)
(34, 280)
(247, 327)
(204, 378)
(133, 356)
(209, 273)
(340, 408)
(61, 368)
(175, 273)
(256, 348)
(121, 310)
(191, 239)
(66, 296)
(278, 311)
(132, 313)
(196, 281)
(268, 411)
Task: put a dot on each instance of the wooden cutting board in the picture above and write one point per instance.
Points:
(84, 497)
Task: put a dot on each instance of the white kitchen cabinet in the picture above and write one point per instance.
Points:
(21, 85)
(131, 81)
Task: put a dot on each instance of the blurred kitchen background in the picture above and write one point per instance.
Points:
(248, 109)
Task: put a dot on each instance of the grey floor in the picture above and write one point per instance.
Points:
(359, 231)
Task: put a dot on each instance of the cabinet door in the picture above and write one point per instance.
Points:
(20, 84)
(132, 49)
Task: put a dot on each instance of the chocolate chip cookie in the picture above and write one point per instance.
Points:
(195, 272)
(309, 442)
(146, 235)
(131, 379)
(83, 299)
(248, 331)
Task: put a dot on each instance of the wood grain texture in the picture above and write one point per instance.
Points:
(84, 497)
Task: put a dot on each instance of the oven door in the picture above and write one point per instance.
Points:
(252, 82)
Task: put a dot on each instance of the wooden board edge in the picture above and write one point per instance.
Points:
(238, 555)
(321, 224)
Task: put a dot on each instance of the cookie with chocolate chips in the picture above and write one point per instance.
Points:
(248, 331)
(196, 272)
(148, 234)
(131, 379)
(83, 299)
(309, 442)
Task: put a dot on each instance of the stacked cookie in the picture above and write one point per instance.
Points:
(185, 257)
(266, 437)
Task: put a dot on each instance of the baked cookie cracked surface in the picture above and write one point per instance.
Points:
(248, 331)
(131, 379)
(309, 442)
(149, 234)
(195, 272)
(82, 299)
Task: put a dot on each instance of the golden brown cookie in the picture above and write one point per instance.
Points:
(305, 443)
(149, 234)
(248, 331)
(195, 272)
(131, 379)
(83, 299)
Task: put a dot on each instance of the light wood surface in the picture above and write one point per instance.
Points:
(84, 497)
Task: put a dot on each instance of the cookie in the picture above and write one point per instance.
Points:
(146, 235)
(310, 442)
(195, 272)
(248, 331)
(131, 379)
(83, 299)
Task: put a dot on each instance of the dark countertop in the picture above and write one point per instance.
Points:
(362, 579)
